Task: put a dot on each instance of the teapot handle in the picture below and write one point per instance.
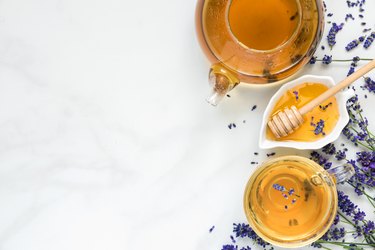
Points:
(222, 81)
(342, 173)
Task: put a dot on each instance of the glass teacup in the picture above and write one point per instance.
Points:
(291, 201)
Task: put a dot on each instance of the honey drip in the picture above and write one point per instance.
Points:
(327, 111)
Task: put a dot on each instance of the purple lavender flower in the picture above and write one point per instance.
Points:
(353, 44)
(349, 208)
(296, 95)
(334, 233)
(369, 84)
(229, 247)
(369, 40)
(329, 149)
(318, 127)
(351, 71)
(331, 37)
(348, 16)
(312, 60)
(336, 220)
(241, 230)
(318, 158)
(369, 227)
(246, 248)
(279, 187)
(244, 230)
(359, 216)
(327, 59)
(340, 155)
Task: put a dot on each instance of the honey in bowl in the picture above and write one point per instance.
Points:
(318, 122)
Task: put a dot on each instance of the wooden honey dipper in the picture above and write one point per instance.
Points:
(286, 122)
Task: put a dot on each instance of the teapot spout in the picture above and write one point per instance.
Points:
(222, 81)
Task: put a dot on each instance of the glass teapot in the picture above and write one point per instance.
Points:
(256, 41)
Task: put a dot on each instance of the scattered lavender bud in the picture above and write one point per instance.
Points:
(211, 229)
(348, 16)
(279, 187)
(354, 43)
(340, 155)
(327, 59)
(296, 95)
(312, 60)
(318, 127)
(271, 154)
(369, 85)
(369, 40)
(331, 37)
(291, 191)
(229, 247)
(246, 248)
(231, 125)
(254, 107)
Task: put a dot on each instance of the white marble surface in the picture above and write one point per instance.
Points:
(106, 141)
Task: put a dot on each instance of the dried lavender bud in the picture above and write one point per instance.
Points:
(312, 60)
(296, 95)
(348, 16)
(279, 187)
(369, 84)
(331, 37)
(327, 59)
(229, 247)
(318, 127)
(369, 40)
(354, 43)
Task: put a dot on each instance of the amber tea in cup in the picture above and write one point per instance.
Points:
(291, 201)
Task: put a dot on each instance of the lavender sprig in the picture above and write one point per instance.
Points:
(369, 40)
(331, 37)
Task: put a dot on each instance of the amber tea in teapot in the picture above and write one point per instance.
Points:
(256, 41)
(263, 25)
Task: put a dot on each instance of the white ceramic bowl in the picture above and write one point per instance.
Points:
(341, 98)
